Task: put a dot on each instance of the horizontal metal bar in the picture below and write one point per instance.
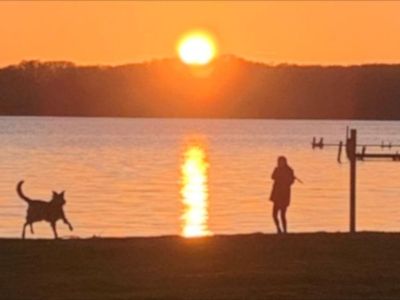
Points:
(324, 145)
(379, 145)
(378, 155)
(316, 145)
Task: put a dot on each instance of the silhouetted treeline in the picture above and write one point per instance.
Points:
(229, 87)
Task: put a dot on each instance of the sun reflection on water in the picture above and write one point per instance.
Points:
(194, 193)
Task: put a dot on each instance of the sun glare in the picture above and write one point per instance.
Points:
(195, 193)
(197, 48)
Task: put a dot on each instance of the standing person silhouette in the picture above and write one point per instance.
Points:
(283, 177)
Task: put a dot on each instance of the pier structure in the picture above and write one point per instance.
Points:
(353, 155)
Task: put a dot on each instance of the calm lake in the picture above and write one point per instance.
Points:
(150, 177)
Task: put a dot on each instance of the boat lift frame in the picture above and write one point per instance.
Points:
(353, 155)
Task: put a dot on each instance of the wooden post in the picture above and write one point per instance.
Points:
(352, 148)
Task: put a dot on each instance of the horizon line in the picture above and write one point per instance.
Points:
(166, 58)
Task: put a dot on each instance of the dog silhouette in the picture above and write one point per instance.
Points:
(39, 210)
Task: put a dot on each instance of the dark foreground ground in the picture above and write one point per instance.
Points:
(299, 266)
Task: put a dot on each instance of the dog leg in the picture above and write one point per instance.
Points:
(53, 226)
(68, 223)
(31, 225)
(23, 230)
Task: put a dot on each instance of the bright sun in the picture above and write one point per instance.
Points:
(197, 48)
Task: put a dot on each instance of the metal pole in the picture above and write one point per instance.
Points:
(352, 153)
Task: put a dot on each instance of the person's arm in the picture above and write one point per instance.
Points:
(273, 176)
(293, 177)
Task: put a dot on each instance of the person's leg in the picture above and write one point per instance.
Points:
(283, 219)
(275, 211)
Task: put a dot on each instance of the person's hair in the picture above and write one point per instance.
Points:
(282, 159)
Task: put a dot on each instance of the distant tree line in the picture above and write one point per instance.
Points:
(228, 88)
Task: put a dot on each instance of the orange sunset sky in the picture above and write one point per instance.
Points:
(272, 32)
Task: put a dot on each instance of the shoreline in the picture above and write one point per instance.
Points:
(212, 236)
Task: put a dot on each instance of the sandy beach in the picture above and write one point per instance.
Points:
(256, 266)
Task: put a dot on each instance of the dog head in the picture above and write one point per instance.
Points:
(58, 198)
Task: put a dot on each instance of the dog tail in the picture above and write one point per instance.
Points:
(20, 193)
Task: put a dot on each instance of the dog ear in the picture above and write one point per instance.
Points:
(62, 193)
(54, 193)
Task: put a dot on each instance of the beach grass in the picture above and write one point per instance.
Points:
(255, 266)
